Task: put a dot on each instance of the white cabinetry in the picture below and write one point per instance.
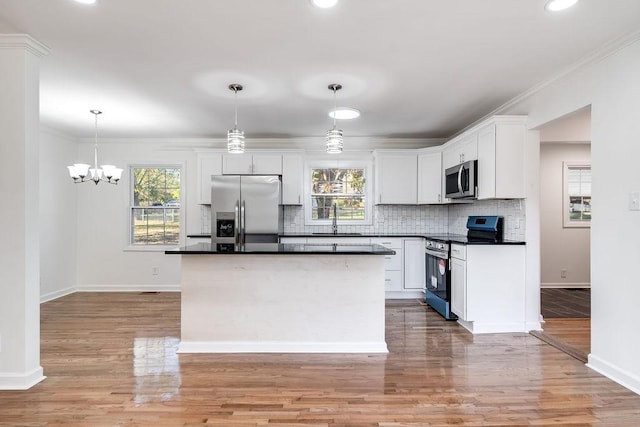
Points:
(459, 281)
(414, 264)
(460, 150)
(396, 177)
(488, 288)
(393, 265)
(292, 179)
(430, 177)
(252, 164)
(501, 145)
(208, 164)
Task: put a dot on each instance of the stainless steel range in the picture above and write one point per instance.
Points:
(438, 288)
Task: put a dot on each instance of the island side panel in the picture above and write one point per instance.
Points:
(283, 303)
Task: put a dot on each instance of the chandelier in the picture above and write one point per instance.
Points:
(334, 140)
(82, 172)
(235, 137)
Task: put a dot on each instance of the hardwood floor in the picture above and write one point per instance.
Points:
(110, 360)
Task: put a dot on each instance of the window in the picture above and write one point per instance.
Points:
(344, 188)
(155, 206)
(577, 195)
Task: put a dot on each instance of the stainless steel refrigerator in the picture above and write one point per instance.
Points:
(245, 209)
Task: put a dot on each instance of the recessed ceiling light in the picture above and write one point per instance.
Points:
(86, 1)
(555, 5)
(344, 113)
(324, 3)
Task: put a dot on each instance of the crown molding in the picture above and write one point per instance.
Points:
(23, 41)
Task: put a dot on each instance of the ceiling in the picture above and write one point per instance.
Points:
(415, 68)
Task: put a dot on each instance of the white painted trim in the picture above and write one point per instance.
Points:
(128, 288)
(534, 326)
(404, 295)
(622, 377)
(16, 381)
(573, 285)
(56, 294)
(23, 41)
(280, 347)
(493, 328)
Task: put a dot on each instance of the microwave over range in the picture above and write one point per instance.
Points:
(461, 181)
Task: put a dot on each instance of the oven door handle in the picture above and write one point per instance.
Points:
(441, 255)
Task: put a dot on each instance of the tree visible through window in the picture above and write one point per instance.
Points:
(577, 200)
(155, 210)
(344, 188)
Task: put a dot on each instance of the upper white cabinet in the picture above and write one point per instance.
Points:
(501, 144)
(208, 164)
(462, 149)
(252, 164)
(430, 177)
(292, 179)
(396, 177)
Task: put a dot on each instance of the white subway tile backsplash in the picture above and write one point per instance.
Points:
(394, 219)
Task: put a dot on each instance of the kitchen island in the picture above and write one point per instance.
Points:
(282, 298)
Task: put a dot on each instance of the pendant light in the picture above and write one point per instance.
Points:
(82, 172)
(334, 139)
(235, 137)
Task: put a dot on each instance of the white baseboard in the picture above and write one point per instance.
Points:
(404, 294)
(56, 294)
(622, 377)
(128, 288)
(565, 285)
(492, 328)
(16, 381)
(280, 347)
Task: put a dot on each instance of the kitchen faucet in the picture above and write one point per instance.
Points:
(335, 219)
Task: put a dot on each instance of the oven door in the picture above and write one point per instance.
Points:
(437, 271)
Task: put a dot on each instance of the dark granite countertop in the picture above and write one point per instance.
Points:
(203, 248)
(447, 238)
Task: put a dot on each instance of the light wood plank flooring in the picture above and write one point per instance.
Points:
(110, 360)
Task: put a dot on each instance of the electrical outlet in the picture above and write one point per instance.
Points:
(563, 273)
(155, 270)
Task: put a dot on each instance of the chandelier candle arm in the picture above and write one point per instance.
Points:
(82, 172)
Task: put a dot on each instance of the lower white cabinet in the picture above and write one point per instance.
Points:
(488, 288)
(393, 266)
(459, 281)
(414, 264)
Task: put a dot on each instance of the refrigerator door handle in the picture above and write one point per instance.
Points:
(237, 222)
(242, 225)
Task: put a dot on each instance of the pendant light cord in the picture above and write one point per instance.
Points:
(235, 90)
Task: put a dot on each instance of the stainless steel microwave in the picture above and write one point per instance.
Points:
(461, 181)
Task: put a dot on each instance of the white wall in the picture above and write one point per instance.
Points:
(610, 86)
(561, 248)
(58, 216)
(105, 261)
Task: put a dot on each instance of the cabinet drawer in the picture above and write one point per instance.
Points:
(393, 281)
(391, 243)
(393, 262)
(459, 251)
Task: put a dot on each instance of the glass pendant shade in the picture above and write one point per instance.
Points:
(235, 141)
(334, 141)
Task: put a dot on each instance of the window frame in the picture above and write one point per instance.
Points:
(129, 246)
(342, 164)
(567, 222)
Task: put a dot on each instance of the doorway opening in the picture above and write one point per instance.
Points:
(565, 233)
